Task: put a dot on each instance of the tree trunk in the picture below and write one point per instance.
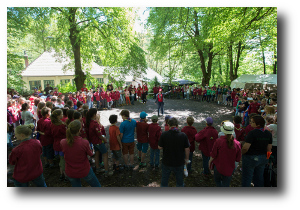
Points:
(230, 60)
(75, 42)
(275, 61)
(237, 64)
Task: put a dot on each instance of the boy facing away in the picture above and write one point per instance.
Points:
(154, 131)
(115, 142)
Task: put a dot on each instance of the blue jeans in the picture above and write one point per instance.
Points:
(189, 166)
(188, 96)
(39, 182)
(205, 164)
(9, 140)
(166, 171)
(91, 179)
(90, 104)
(253, 170)
(154, 153)
(98, 104)
(221, 180)
(160, 106)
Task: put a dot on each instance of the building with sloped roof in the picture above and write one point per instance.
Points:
(49, 69)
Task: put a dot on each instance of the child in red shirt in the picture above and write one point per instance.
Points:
(166, 122)
(142, 138)
(76, 150)
(154, 132)
(26, 158)
(206, 138)
(58, 130)
(238, 129)
(115, 142)
(45, 137)
(190, 131)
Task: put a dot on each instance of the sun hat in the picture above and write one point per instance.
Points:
(143, 115)
(227, 128)
(209, 120)
(154, 117)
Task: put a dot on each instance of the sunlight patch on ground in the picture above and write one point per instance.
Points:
(153, 184)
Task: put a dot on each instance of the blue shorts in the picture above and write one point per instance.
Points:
(100, 147)
(60, 153)
(142, 147)
(48, 151)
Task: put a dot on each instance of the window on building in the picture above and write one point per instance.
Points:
(100, 80)
(34, 84)
(63, 82)
(50, 82)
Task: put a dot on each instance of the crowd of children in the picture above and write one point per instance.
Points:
(71, 129)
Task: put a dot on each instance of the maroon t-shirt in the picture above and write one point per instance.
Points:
(58, 133)
(142, 132)
(206, 138)
(43, 125)
(77, 163)
(239, 132)
(224, 157)
(27, 160)
(190, 131)
(253, 108)
(94, 132)
(154, 131)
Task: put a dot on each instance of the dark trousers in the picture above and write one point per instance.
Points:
(160, 105)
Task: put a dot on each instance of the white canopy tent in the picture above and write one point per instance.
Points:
(264, 79)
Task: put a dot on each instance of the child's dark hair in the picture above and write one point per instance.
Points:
(49, 103)
(65, 109)
(85, 106)
(70, 103)
(125, 113)
(79, 104)
(252, 115)
(190, 121)
(54, 108)
(73, 128)
(45, 111)
(36, 101)
(113, 119)
(173, 122)
(237, 120)
(84, 113)
(24, 107)
(53, 99)
(270, 119)
(89, 116)
(70, 113)
(259, 121)
(77, 115)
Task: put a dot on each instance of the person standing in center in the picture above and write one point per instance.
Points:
(160, 101)
(127, 129)
(175, 146)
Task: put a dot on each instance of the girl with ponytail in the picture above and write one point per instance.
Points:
(76, 149)
(26, 158)
(58, 130)
(225, 152)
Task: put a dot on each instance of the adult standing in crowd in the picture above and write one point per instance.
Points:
(47, 88)
(160, 101)
(225, 152)
(84, 89)
(257, 144)
(175, 146)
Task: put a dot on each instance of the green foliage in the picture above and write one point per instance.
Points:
(66, 88)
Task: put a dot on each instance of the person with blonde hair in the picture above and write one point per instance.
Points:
(26, 158)
(76, 149)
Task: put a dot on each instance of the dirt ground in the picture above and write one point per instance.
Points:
(147, 177)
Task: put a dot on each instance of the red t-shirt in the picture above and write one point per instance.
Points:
(239, 132)
(146, 88)
(142, 132)
(103, 95)
(253, 108)
(27, 160)
(200, 91)
(114, 131)
(43, 125)
(77, 163)
(167, 127)
(195, 91)
(154, 131)
(190, 131)
(58, 133)
(84, 90)
(55, 93)
(225, 158)
(94, 132)
(206, 138)
(97, 95)
(64, 118)
(160, 98)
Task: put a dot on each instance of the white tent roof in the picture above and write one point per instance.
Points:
(246, 78)
(149, 75)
